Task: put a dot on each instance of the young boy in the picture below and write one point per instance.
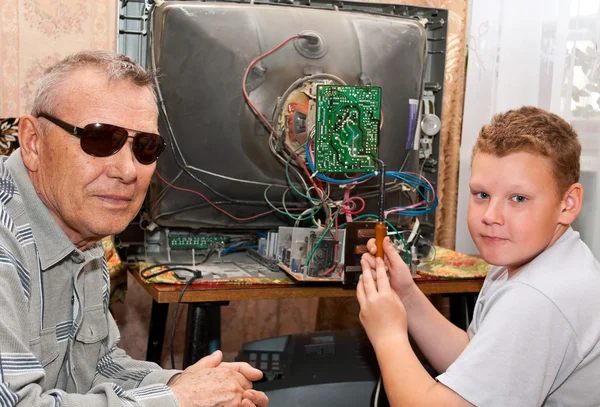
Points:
(535, 335)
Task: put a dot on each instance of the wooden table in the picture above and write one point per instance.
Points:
(203, 322)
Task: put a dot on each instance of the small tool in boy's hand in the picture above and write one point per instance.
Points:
(380, 234)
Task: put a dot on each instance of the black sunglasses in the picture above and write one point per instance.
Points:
(103, 140)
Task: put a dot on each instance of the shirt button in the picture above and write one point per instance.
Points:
(72, 299)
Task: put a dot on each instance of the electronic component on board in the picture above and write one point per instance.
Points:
(347, 129)
(184, 240)
(307, 254)
(357, 235)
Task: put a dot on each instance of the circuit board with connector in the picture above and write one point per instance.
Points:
(199, 242)
(347, 128)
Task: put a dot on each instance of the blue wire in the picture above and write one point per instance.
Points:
(331, 180)
(231, 247)
(411, 179)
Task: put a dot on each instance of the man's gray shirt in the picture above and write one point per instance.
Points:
(58, 340)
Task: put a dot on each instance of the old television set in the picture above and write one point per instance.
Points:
(224, 170)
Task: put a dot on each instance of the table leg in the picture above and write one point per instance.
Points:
(156, 335)
(461, 309)
(203, 331)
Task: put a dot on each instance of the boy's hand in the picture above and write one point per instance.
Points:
(400, 278)
(381, 311)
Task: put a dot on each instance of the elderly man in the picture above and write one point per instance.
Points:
(88, 151)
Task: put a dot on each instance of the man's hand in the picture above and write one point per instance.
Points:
(210, 382)
(381, 311)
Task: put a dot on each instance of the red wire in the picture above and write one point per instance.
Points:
(271, 129)
(264, 119)
(352, 210)
(212, 204)
(252, 106)
(336, 246)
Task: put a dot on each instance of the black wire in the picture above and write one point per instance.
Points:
(405, 161)
(163, 113)
(177, 157)
(197, 275)
(190, 281)
(381, 190)
(222, 203)
(162, 109)
(184, 167)
(150, 268)
(168, 269)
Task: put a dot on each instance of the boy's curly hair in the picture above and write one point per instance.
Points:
(535, 131)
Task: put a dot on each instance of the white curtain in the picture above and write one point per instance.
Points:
(544, 53)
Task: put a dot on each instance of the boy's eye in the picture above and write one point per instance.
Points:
(481, 195)
(518, 199)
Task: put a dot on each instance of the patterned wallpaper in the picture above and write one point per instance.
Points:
(36, 33)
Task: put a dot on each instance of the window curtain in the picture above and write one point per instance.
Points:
(543, 53)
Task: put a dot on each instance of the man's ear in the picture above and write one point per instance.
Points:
(571, 204)
(29, 141)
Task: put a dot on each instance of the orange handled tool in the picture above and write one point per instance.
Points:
(380, 233)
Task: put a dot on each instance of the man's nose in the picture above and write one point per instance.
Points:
(123, 164)
(494, 213)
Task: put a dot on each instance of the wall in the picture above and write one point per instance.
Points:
(36, 33)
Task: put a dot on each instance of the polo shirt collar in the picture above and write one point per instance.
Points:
(51, 241)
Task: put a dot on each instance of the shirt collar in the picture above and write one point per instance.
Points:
(567, 235)
(51, 241)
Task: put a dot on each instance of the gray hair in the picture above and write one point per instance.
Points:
(117, 67)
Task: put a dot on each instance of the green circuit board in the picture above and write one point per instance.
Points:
(347, 128)
(183, 242)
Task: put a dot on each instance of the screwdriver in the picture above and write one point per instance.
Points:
(380, 228)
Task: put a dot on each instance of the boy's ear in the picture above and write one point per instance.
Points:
(571, 204)
(29, 140)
